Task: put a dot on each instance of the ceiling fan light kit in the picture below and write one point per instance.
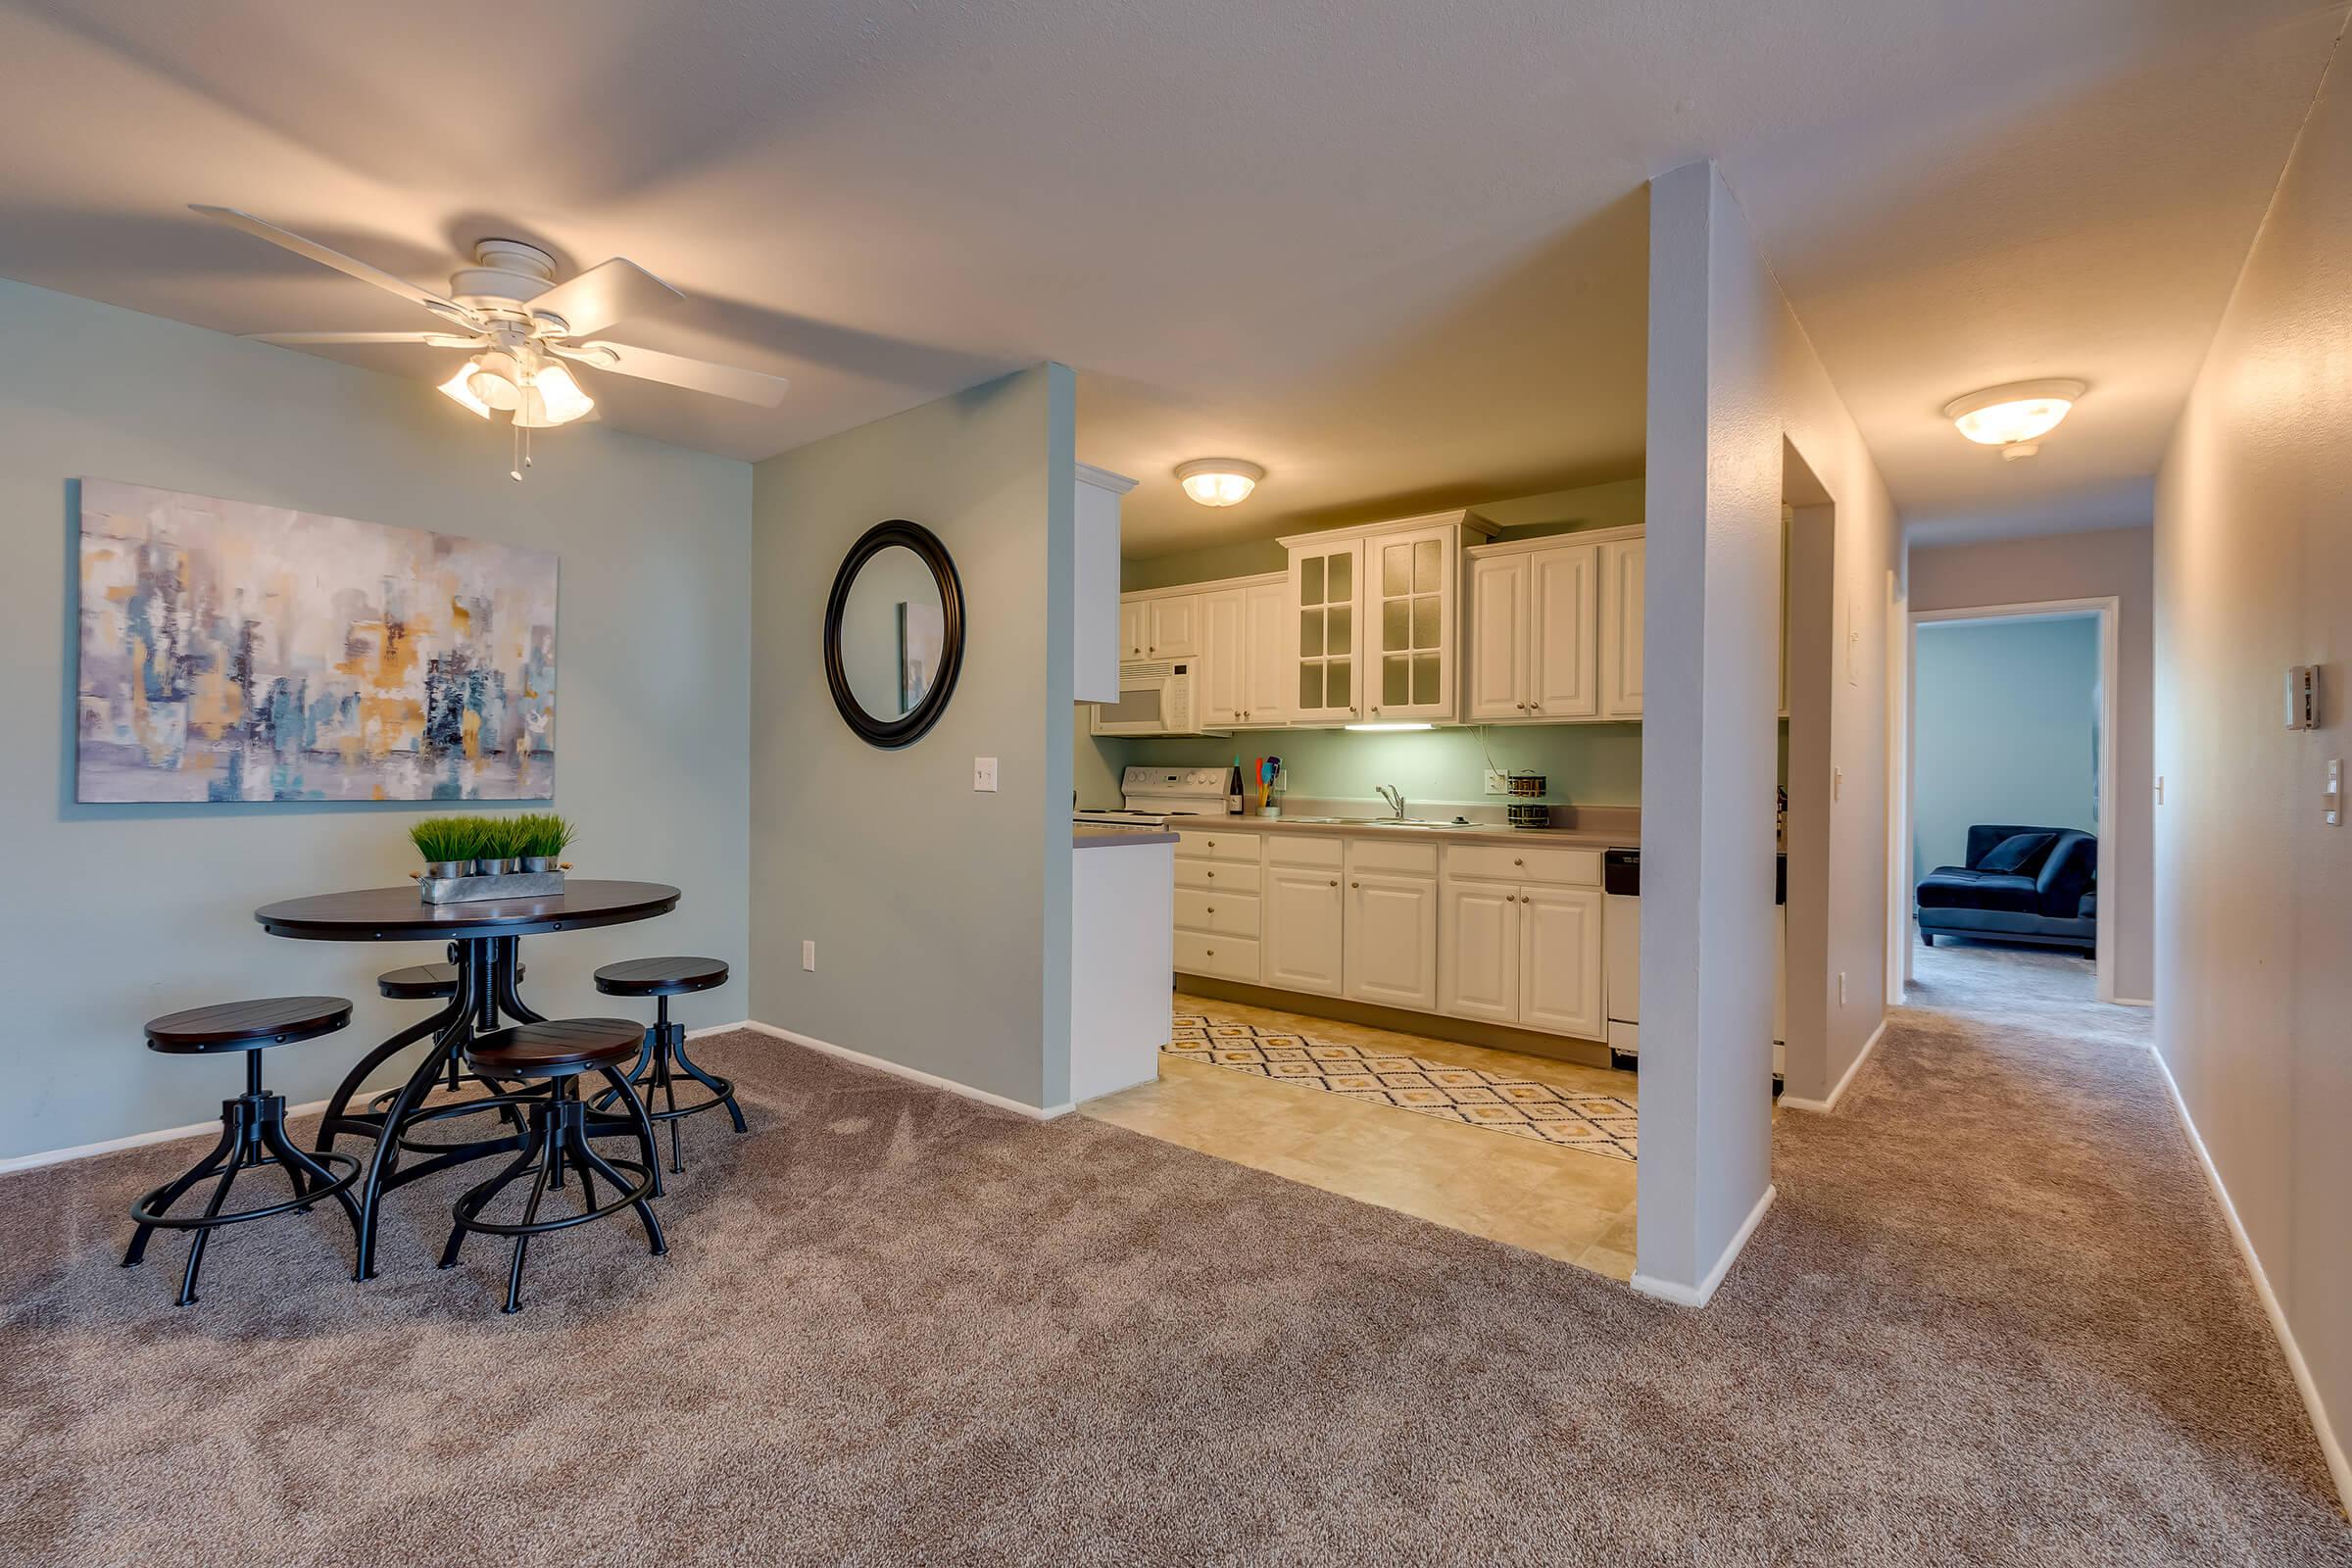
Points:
(520, 324)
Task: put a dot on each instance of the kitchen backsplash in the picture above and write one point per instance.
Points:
(1592, 764)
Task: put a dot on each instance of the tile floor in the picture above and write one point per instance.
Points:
(1562, 1202)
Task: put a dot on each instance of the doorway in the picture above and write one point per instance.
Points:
(2010, 717)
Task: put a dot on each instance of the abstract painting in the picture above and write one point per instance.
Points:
(236, 652)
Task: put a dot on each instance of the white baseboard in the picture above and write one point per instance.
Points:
(1838, 1091)
(2331, 1449)
(162, 1135)
(2134, 1001)
(1688, 1296)
(899, 1070)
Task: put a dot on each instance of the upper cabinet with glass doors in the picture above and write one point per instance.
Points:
(1376, 612)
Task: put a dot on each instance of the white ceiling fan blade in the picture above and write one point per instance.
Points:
(607, 292)
(438, 340)
(672, 369)
(349, 267)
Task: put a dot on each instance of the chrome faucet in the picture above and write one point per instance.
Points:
(1394, 797)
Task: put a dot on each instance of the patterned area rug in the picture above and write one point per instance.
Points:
(1597, 1125)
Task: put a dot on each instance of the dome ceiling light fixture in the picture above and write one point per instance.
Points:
(2014, 416)
(1219, 481)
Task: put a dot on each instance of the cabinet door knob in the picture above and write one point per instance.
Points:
(1522, 707)
(1538, 707)
(1355, 884)
(1335, 881)
(1212, 844)
(1518, 862)
(1376, 708)
(1211, 876)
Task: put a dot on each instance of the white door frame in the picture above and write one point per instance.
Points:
(2108, 609)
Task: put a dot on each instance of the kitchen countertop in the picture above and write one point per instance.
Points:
(1115, 835)
(1563, 838)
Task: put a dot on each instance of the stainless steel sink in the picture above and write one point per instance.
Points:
(1423, 822)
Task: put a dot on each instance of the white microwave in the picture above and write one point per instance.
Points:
(1155, 698)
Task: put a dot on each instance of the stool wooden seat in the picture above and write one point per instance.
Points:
(657, 1071)
(253, 1125)
(247, 1025)
(423, 982)
(556, 1048)
(559, 1050)
(660, 977)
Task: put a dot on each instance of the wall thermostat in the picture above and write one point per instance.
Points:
(2303, 697)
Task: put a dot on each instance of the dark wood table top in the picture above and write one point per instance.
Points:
(401, 914)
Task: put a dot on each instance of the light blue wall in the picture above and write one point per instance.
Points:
(149, 908)
(941, 914)
(2007, 716)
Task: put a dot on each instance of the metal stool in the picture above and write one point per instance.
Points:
(253, 1125)
(556, 1052)
(422, 982)
(665, 1054)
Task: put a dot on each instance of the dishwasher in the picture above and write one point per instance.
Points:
(1620, 946)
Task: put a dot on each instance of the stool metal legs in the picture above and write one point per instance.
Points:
(559, 1131)
(657, 1071)
(253, 1133)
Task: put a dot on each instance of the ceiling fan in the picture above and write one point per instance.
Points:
(520, 325)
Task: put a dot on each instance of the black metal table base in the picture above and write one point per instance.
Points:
(253, 1135)
(486, 995)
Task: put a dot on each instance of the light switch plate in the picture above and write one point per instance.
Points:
(808, 955)
(984, 773)
(1498, 783)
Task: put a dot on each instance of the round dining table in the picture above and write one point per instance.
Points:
(484, 938)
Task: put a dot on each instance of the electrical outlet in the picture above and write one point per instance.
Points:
(984, 773)
(1841, 988)
(1498, 783)
(809, 956)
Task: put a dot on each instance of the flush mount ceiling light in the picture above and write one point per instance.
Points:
(1219, 481)
(2014, 416)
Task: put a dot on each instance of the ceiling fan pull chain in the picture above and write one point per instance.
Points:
(515, 470)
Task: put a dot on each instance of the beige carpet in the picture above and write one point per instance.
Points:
(1993, 1319)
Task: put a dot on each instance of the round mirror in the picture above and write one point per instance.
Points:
(894, 633)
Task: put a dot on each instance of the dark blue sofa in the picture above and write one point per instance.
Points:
(2051, 900)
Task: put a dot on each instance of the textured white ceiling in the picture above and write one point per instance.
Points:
(1393, 250)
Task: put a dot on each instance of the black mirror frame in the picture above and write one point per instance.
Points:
(906, 729)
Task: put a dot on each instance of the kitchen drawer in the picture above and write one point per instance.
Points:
(1220, 876)
(1223, 914)
(1224, 957)
(1240, 847)
(1500, 863)
(1299, 850)
(1394, 853)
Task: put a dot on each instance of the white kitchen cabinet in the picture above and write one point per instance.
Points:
(1622, 563)
(1409, 622)
(1097, 643)
(1246, 675)
(1478, 952)
(1175, 628)
(1534, 637)
(1225, 657)
(1391, 939)
(1560, 989)
(1498, 637)
(1219, 907)
(1522, 940)
(1301, 943)
(1563, 674)
(1323, 589)
(1160, 626)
